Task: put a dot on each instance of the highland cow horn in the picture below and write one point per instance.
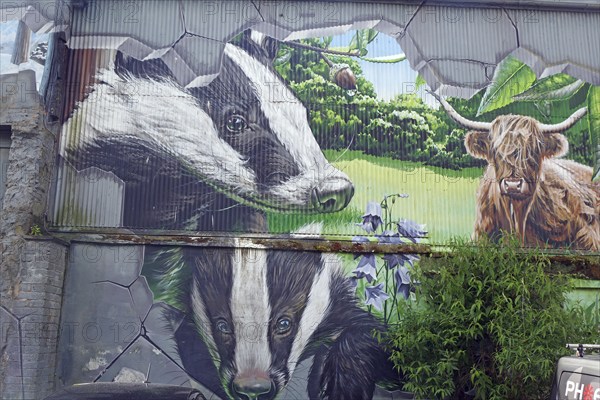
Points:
(566, 124)
(462, 121)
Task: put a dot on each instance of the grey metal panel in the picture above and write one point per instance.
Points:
(295, 20)
(435, 39)
(552, 42)
(457, 49)
(140, 27)
(91, 198)
(546, 4)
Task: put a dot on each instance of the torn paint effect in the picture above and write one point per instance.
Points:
(95, 363)
(129, 375)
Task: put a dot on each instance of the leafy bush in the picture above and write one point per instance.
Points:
(488, 321)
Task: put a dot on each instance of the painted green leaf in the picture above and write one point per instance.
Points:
(284, 56)
(356, 41)
(579, 99)
(394, 58)
(553, 88)
(361, 39)
(370, 35)
(511, 77)
(344, 49)
(420, 81)
(593, 104)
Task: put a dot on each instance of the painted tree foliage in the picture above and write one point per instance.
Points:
(406, 128)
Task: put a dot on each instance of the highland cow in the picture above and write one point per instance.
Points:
(527, 189)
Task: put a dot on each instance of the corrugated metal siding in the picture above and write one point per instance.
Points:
(88, 198)
(456, 49)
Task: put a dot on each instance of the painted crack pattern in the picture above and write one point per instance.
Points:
(114, 331)
(12, 338)
(424, 32)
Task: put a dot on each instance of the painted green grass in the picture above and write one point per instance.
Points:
(442, 199)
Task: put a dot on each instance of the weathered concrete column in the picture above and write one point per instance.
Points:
(31, 320)
(31, 269)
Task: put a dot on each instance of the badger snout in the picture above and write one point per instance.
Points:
(253, 385)
(332, 194)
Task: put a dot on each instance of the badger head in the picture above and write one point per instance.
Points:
(259, 117)
(259, 311)
(244, 135)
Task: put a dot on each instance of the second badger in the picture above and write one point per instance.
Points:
(260, 312)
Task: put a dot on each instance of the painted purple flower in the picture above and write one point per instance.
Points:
(403, 281)
(372, 217)
(394, 260)
(389, 237)
(359, 239)
(376, 296)
(367, 268)
(411, 230)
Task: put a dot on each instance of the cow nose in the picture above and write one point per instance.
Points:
(332, 194)
(512, 185)
(253, 387)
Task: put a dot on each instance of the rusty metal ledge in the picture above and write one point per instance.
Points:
(578, 263)
(255, 241)
(331, 243)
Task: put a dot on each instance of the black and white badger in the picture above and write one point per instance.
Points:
(204, 158)
(257, 313)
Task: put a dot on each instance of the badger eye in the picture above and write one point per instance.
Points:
(283, 325)
(223, 326)
(236, 124)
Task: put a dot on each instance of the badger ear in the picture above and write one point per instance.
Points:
(478, 144)
(555, 145)
(259, 45)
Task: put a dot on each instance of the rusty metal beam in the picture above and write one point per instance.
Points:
(247, 241)
(276, 242)
(581, 263)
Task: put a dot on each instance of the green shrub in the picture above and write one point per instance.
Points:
(488, 320)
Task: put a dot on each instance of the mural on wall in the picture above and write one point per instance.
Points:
(291, 133)
(257, 314)
(302, 130)
(335, 132)
(239, 322)
(210, 158)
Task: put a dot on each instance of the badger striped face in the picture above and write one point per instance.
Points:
(260, 118)
(256, 311)
(244, 135)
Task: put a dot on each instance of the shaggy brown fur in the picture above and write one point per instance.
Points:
(557, 206)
